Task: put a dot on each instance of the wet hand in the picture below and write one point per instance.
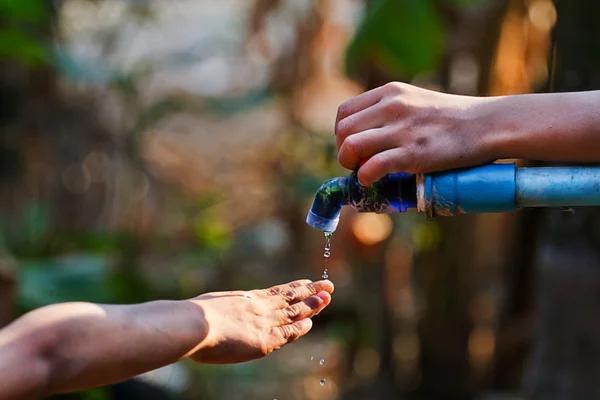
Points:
(244, 326)
(403, 128)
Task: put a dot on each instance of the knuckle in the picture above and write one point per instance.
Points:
(291, 313)
(393, 106)
(344, 127)
(343, 110)
(290, 295)
(353, 145)
(294, 333)
(286, 331)
(312, 288)
(301, 283)
(394, 87)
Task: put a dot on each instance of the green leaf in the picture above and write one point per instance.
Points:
(403, 37)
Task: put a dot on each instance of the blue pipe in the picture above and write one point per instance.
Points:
(493, 188)
(504, 188)
(485, 189)
(556, 187)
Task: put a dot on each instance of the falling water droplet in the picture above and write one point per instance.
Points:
(325, 275)
(322, 362)
(312, 358)
(327, 253)
(323, 381)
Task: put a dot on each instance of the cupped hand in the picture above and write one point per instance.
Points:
(244, 326)
(403, 128)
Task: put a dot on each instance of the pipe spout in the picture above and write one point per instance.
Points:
(327, 205)
(395, 193)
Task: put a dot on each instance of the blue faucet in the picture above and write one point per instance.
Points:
(492, 188)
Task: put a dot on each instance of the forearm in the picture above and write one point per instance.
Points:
(75, 346)
(544, 127)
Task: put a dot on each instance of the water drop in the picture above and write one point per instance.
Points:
(327, 253)
(312, 358)
(322, 362)
(323, 381)
(325, 275)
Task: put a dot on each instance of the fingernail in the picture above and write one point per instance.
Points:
(306, 322)
(323, 295)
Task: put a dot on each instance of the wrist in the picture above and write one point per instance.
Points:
(500, 127)
(181, 321)
(198, 320)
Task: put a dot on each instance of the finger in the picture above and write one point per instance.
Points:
(288, 333)
(304, 309)
(366, 119)
(364, 145)
(381, 164)
(301, 293)
(359, 103)
(279, 289)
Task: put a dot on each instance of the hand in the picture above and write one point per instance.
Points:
(403, 128)
(244, 326)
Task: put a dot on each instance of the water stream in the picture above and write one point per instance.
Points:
(325, 275)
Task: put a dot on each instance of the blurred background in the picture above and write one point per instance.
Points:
(162, 149)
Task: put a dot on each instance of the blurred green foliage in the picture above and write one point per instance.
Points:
(24, 11)
(58, 280)
(402, 37)
(22, 27)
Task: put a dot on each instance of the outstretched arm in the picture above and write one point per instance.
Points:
(74, 346)
(399, 127)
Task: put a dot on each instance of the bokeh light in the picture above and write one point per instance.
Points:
(371, 229)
